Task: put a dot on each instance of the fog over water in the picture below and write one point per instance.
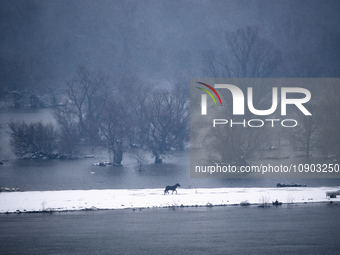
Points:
(161, 41)
(132, 49)
(76, 174)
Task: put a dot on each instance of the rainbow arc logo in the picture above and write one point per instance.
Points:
(213, 90)
(204, 97)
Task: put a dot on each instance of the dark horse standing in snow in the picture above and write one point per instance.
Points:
(173, 188)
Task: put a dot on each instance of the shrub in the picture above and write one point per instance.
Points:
(35, 139)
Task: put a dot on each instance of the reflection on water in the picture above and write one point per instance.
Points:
(81, 174)
(76, 174)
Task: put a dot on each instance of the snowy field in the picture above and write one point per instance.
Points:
(71, 200)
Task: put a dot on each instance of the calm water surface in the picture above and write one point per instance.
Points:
(76, 174)
(303, 229)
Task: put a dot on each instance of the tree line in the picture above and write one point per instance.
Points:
(96, 113)
(248, 55)
(135, 114)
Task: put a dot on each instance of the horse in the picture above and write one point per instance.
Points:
(173, 188)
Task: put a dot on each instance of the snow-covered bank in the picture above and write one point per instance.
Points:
(68, 200)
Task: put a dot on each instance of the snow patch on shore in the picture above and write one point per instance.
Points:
(71, 200)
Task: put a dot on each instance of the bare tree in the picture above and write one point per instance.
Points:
(229, 145)
(216, 66)
(141, 159)
(82, 92)
(247, 55)
(34, 138)
(69, 137)
(168, 122)
(115, 126)
(241, 43)
(86, 95)
(134, 93)
(307, 133)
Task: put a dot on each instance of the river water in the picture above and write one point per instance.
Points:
(299, 229)
(81, 174)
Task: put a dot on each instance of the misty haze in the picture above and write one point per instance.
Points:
(99, 110)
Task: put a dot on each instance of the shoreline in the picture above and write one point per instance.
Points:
(48, 211)
(113, 199)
